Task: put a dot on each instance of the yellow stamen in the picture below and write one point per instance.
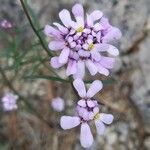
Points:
(80, 29)
(97, 116)
(91, 46)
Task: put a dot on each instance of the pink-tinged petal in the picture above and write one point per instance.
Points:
(65, 17)
(63, 57)
(96, 15)
(86, 137)
(102, 70)
(97, 27)
(71, 68)
(107, 62)
(91, 67)
(112, 34)
(101, 47)
(55, 63)
(82, 103)
(78, 10)
(95, 87)
(80, 70)
(106, 118)
(68, 122)
(90, 103)
(113, 50)
(61, 28)
(89, 21)
(80, 87)
(83, 53)
(95, 55)
(100, 127)
(98, 36)
(52, 32)
(105, 23)
(56, 45)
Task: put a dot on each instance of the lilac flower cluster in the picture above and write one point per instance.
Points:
(9, 102)
(5, 24)
(87, 111)
(84, 43)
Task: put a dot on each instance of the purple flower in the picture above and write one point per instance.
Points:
(87, 110)
(9, 102)
(58, 104)
(81, 43)
(5, 24)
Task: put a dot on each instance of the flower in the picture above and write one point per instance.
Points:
(9, 102)
(58, 104)
(83, 43)
(5, 24)
(87, 110)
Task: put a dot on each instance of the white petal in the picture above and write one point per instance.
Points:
(86, 137)
(61, 28)
(95, 55)
(102, 70)
(91, 67)
(78, 10)
(68, 122)
(63, 58)
(80, 87)
(65, 17)
(95, 87)
(100, 127)
(80, 70)
(71, 68)
(56, 45)
(55, 63)
(106, 118)
(96, 15)
(82, 103)
(113, 50)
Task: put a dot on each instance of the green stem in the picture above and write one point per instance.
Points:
(34, 29)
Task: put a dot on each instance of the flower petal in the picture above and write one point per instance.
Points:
(65, 17)
(102, 70)
(96, 15)
(63, 57)
(107, 62)
(78, 10)
(80, 70)
(68, 122)
(95, 55)
(56, 45)
(106, 118)
(112, 34)
(91, 67)
(71, 68)
(113, 50)
(52, 32)
(61, 28)
(80, 87)
(55, 63)
(82, 103)
(86, 137)
(95, 87)
(100, 127)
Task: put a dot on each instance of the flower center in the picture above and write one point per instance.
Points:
(97, 116)
(91, 46)
(80, 29)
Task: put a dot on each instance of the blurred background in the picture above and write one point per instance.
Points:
(25, 71)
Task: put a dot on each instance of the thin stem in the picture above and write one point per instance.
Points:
(33, 27)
